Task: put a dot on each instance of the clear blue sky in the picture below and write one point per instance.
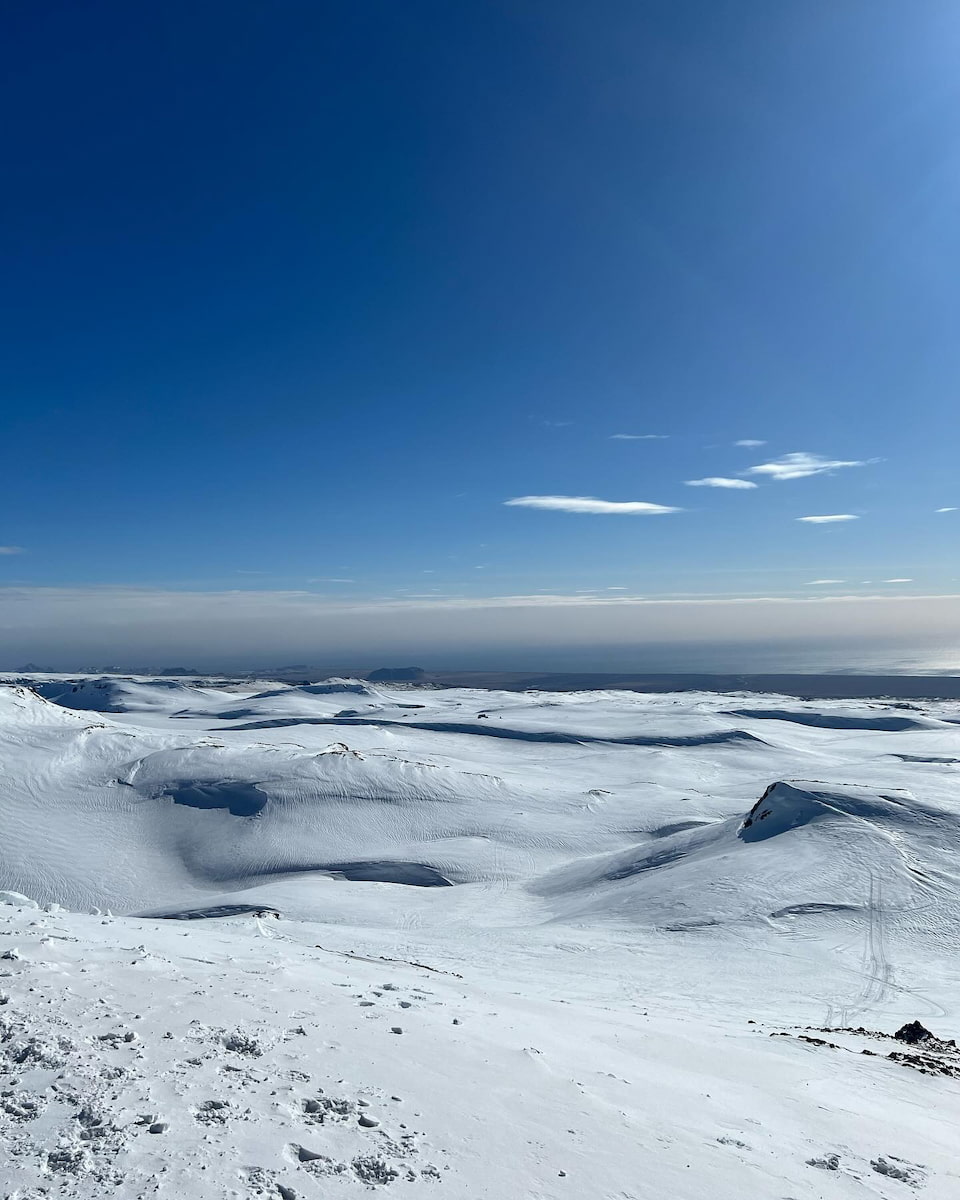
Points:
(301, 292)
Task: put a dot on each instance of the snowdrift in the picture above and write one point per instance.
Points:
(112, 695)
(804, 848)
(99, 814)
(610, 809)
(837, 720)
(338, 698)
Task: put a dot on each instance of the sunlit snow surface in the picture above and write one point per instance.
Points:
(621, 898)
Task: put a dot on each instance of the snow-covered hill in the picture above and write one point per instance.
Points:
(586, 913)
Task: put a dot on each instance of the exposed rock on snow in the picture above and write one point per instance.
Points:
(912, 1033)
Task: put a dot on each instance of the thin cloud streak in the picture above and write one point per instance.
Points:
(639, 437)
(590, 504)
(829, 519)
(942, 510)
(719, 481)
(105, 604)
(750, 443)
(823, 582)
(801, 465)
(11, 549)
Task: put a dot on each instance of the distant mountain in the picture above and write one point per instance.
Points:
(397, 675)
(179, 671)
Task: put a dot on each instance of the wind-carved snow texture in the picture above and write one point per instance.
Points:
(490, 945)
(830, 720)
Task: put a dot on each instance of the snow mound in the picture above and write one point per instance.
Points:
(791, 805)
(293, 704)
(22, 706)
(804, 848)
(110, 694)
(114, 816)
(333, 686)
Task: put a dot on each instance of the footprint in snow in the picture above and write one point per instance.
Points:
(263, 1183)
(213, 1112)
(327, 1108)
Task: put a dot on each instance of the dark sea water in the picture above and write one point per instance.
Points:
(807, 657)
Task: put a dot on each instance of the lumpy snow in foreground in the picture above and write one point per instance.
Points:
(316, 942)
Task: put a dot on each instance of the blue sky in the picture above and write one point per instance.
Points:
(299, 295)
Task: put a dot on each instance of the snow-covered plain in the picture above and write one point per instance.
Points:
(592, 945)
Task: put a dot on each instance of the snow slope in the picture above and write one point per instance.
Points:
(586, 913)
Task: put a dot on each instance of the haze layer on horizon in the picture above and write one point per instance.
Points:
(73, 629)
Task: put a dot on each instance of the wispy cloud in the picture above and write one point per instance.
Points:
(719, 481)
(829, 519)
(589, 504)
(750, 443)
(328, 579)
(939, 510)
(823, 582)
(639, 437)
(11, 549)
(802, 464)
(896, 581)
